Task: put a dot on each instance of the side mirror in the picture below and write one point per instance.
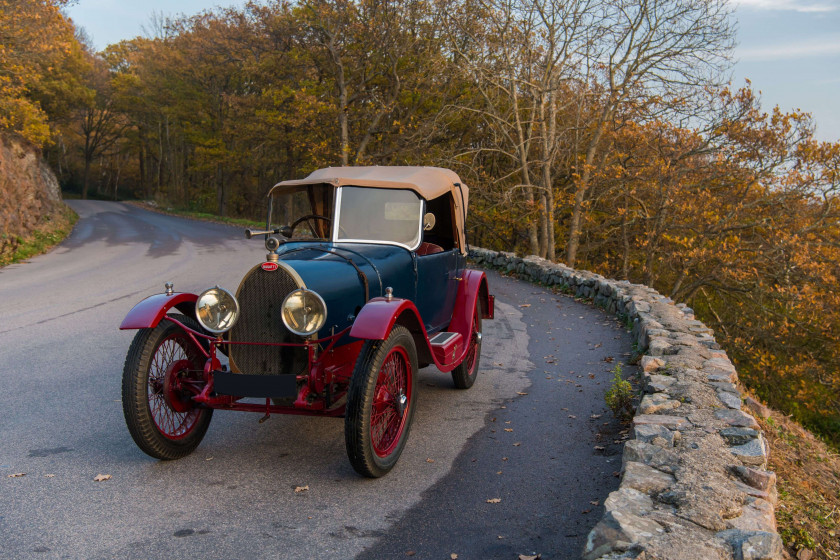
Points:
(428, 221)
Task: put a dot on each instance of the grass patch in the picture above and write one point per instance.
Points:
(808, 471)
(46, 236)
(203, 216)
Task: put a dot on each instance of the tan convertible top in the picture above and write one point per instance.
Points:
(428, 182)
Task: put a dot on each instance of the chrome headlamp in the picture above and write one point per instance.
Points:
(217, 310)
(304, 312)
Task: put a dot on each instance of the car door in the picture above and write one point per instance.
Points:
(437, 286)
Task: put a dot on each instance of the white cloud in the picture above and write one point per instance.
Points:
(822, 46)
(790, 5)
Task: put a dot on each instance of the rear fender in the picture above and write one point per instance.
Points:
(473, 288)
(149, 312)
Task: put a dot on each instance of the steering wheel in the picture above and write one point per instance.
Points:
(306, 219)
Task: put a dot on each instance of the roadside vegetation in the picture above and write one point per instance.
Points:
(599, 133)
(48, 234)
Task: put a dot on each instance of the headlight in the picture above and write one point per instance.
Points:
(217, 310)
(304, 312)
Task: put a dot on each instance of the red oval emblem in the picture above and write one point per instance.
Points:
(270, 266)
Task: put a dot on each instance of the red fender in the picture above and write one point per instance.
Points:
(379, 315)
(148, 313)
(472, 287)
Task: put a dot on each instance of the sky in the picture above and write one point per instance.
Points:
(788, 49)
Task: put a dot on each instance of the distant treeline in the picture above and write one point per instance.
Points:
(598, 132)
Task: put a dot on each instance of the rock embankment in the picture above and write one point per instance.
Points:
(29, 191)
(694, 483)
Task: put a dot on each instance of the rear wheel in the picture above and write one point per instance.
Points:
(163, 371)
(465, 373)
(381, 402)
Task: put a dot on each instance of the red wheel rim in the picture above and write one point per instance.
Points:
(391, 402)
(171, 355)
(469, 360)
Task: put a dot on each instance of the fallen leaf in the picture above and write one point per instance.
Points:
(410, 553)
(49, 475)
(591, 376)
(527, 557)
(498, 472)
(525, 305)
(508, 429)
(494, 500)
(101, 477)
(599, 448)
(430, 460)
(609, 359)
(586, 511)
(521, 394)
(594, 502)
(595, 416)
(504, 458)
(17, 475)
(598, 345)
(299, 489)
(517, 444)
(453, 556)
(572, 416)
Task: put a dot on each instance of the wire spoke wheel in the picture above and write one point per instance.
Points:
(163, 370)
(381, 403)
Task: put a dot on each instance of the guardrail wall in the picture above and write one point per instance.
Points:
(694, 483)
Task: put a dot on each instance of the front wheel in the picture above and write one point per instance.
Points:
(465, 373)
(380, 403)
(163, 370)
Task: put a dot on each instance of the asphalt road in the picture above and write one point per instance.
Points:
(533, 432)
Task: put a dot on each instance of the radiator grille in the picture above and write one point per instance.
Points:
(260, 298)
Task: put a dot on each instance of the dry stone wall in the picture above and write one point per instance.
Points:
(694, 483)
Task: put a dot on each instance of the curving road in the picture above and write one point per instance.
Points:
(532, 432)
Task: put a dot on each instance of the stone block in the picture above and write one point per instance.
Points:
(651, 363)
(757, 408)
(617, 532)
(731, 400)
(738, 436)
(658, 383)
(757, 515)
(763, 480)
(629, 500)
(754, 452)
(664, 420)
(652, 455)
(736, 418)
(753, 545)
(725, 386)
(645, 479)
(656, 402)
(658, 347)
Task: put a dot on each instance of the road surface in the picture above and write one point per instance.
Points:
(532, 433)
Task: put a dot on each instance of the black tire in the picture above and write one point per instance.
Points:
(465, 374)
(377, 420)
(159, 429)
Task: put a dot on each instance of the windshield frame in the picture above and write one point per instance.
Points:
(337, 218)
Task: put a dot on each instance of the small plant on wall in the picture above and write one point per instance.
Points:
(619, 397)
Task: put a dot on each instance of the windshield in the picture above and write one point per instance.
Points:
(308, 210)
(380, 216)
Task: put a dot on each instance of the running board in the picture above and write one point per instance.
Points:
(446, 346)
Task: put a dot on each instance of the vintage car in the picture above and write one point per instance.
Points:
(365, 282)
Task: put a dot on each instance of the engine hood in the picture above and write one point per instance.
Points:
(339, 272)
